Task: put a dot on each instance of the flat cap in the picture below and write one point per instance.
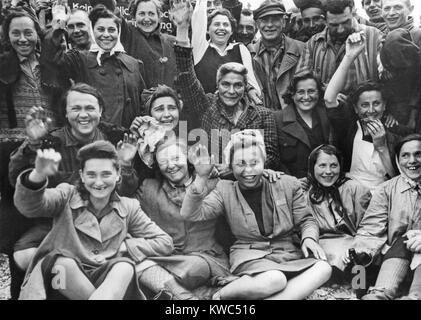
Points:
(268, 8)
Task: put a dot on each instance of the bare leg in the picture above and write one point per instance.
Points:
(23, 257)
(303, 285)
(115, 284)
(256, 287)
(76, 285)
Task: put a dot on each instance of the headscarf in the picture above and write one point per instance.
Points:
(399, 52)
(96, 48)
(319, 193)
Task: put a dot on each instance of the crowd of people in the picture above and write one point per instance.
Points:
(252, 154)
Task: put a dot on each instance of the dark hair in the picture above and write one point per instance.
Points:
(223, 12)
(409, 138)
(109, 4)
(338, 6)
(100, 149)
(292, 88)
(164, 91)
(317, 192)
(364, 87)
(82, 88)
(17, 13)
(101, 12)
(135, 4)
(313, 4)
(247, 12)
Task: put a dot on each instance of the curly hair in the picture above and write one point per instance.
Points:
(292, 88)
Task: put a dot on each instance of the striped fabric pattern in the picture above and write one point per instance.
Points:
(321, 58)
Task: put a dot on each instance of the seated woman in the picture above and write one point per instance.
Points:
(303, 125)
(392, 226)
(106, 66)
(209, 55)
(93, 228)
(198, 259)
(338, 203)
(263, 216)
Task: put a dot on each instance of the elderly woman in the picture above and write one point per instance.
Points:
(338, 203)
(94, 229)
(198, 259)
(210, 55)
(226, 110)
(105, 66)
(263, 216)
(392, 226)
(303, 125)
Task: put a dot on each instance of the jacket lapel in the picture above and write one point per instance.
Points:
(292, 127)
(289, 59)
(111, 225)
(88, 224)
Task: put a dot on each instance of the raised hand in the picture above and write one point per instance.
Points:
(127, 149)
(378, 133)
(61, 15)
(199, 157)
(37, 124)
(181, 12)
(46, 163)
(355, 44)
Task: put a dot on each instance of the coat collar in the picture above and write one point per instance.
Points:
(9, 68)
(293, 128)
(120, 56)
(79, 201)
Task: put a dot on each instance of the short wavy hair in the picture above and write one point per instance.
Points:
(229, 67)
(135, 4)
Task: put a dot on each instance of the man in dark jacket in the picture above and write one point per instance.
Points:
(276, 55)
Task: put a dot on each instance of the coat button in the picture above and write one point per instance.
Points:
(102, 72)
(118, 72)
(95, 251)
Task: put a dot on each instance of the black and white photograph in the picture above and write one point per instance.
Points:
(210, 154)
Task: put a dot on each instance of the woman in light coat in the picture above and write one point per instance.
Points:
(270, 259)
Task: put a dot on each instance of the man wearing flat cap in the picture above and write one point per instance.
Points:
(276, 54)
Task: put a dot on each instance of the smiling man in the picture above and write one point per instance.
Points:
(276, 54)
(78, 30)
(83, 107)
(396, 14)
(324, 51)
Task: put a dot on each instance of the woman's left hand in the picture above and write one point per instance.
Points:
(254, 97)
(314, 247)
(413, 244)
(272, 175)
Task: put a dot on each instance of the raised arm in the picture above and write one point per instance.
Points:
(32, 198)
(355, 45)
(199, 25)
(192, 92)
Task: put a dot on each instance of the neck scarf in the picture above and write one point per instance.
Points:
(100, 52)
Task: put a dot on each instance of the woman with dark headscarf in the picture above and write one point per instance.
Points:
(338, 203)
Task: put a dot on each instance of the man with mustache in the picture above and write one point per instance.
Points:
(78, 30)
(325, 50)
(247, 28)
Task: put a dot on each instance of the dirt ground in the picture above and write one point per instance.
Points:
(333, 292)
